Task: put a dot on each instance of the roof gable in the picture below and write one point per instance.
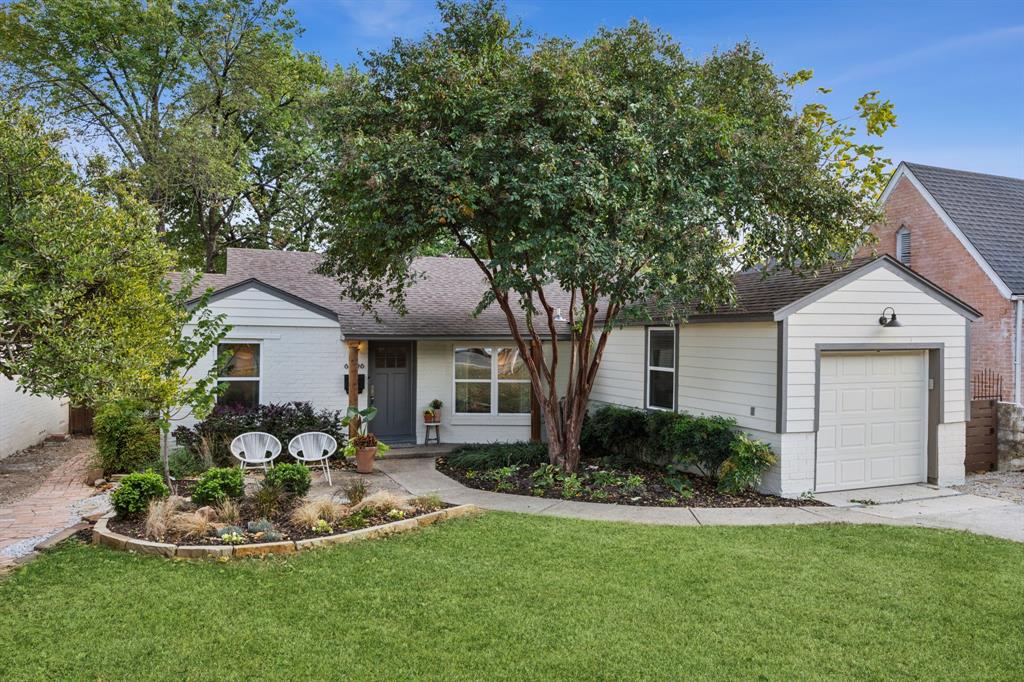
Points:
(985, 212)
(892, 265)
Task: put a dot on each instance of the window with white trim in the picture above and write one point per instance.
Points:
(491, 381)
(240, 377)
(661, 368)
(903, 246)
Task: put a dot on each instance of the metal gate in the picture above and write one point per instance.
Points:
(986, 391)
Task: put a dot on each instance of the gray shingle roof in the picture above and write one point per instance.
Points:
(440, 304)
(988, 209)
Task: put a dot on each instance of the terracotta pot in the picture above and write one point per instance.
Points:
(437, 416)
(364, 459)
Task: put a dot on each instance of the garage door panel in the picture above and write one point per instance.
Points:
(871, 420)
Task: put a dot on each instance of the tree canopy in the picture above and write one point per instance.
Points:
(85, 307)
(204, 105)
(617, 168)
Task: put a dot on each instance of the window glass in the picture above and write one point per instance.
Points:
(511, 365)
(660, 350)
(473, 363)
(244, 359)
(240, 393)
(473, 397)
(514, 398)
(659, 389)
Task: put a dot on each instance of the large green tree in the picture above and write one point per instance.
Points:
(205, 104)
(86, 310)
(617, 168)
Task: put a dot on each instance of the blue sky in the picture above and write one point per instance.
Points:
(955, 70)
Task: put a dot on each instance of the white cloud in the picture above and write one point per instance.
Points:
(906, 60)
(387, 18)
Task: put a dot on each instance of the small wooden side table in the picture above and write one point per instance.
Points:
(437, 432)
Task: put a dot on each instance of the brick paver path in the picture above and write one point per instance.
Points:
(51, 508)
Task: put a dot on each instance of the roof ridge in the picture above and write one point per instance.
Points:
(912, 164)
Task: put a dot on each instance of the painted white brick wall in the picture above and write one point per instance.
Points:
(296, 364)
(26, 420)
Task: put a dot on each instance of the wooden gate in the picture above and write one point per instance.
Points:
(981, 436)
(80, 421)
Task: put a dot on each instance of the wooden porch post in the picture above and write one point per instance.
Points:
(353, 384)
(538, 356)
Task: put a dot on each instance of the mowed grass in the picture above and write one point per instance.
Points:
(507, 596)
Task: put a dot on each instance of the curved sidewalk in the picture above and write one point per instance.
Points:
(964, 512)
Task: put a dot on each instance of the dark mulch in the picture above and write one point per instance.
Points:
(136, 527)
(654, 492)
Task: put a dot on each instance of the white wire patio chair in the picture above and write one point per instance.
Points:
(255, 450)
(314, 448)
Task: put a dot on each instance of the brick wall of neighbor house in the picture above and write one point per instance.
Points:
(937, 254)
(26, 420)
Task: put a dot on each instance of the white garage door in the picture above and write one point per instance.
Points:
(872, 420)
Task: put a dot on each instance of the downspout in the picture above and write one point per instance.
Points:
(1019, 322)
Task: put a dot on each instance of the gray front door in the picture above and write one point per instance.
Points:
(391, 389)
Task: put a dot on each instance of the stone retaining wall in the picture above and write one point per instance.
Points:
(102, 535)
(1009, 436)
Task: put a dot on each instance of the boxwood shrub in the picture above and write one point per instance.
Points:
(218, 484)
(136, 491)
(294, 479)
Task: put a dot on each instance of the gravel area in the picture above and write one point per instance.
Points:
(1002, 485)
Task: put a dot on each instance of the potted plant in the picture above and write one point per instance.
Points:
(364, 446)
(436, 405)
(428, 416)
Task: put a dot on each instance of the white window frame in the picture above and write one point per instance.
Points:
(903, 234)
(648, 368)
(259, 376)
(494, 381)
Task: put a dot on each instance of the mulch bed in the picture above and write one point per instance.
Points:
(653, 493)
(136, 528)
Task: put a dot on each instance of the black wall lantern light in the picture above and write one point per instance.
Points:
(890, 319)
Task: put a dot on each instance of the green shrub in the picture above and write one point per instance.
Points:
(704, 442)
(495, 455)
(213, 435)
(572, 486)
(217, 485)
(745, 466)
(136, 491)
(616, 433)
(183, 463)
(294, 479)
(127, 437)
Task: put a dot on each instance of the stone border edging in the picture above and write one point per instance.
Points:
(102, 535)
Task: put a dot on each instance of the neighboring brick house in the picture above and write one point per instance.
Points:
(965, 232)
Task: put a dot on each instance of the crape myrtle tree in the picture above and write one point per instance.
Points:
(618, 169)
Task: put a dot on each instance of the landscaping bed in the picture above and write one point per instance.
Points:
(645, 487)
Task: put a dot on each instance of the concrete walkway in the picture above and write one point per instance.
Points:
(900, 506)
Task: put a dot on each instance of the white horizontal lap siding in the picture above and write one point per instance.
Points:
(620, 378)
(850, 316)
(254, 307)
(435, 379)
(726, 369)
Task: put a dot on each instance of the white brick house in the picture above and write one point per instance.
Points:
(802, 363)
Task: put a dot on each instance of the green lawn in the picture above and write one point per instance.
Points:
(520, 597)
